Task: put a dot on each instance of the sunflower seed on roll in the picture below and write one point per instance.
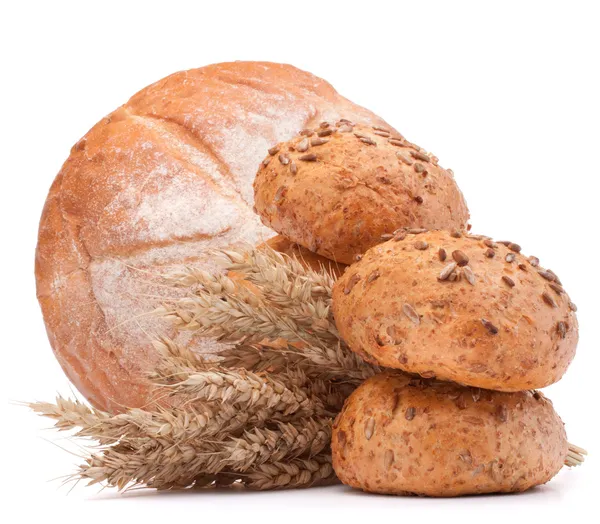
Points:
(494, 323)
(400, 435)
(350, 188)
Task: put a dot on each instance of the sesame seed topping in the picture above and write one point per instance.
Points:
(561, 328)
(386, 236)
(377, 128)
(572, 306)
(490, 253)
(548, 299)
(469, 275)
(534, 261)
(265, 162)
(489, 326)
(284, 159)
(410, 413)
(419, 156)
(442, 254)
(456, 234)
(412, 315)
(318, 141)
(547, 275)
(274, 150)
(302, 146)
(324, 125)
(368, 141)
(460, 258)
(384, 134)
(310, 157)
(293, 168)
(556, 288)
(416, 230)
(490, 243)
(388, 459)
(514, 247)
(325, 132)
(351, 283)
(280, 194)
(369, 428)
(509, 281)
(556, 279)
(510, 258)
(420, 168)
(345, 129)
(373, 276)
(522, 267)
(307, 132)
(400, 235)
(421, 245)
(419, 199)
(396, 142)
(447, 271)
(404, 158)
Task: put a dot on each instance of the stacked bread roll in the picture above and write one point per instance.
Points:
(467, 326)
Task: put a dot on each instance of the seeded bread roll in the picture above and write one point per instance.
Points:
(465, 309)
(308, 258)
(337, 188)
(151, 188)
(401, 436)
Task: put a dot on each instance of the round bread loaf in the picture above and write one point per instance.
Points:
(308, 258)
(335, 189)
(465, 309)
(154, 185)
(399, 435)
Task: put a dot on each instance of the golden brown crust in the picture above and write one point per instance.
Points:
(161, 180)
(505, 324)
(308, 258)
(337, 188)
(401, 436)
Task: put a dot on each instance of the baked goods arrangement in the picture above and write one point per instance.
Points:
(315, 189)
(156, 185)
(217, 351)
(458, 307)
(401, 434)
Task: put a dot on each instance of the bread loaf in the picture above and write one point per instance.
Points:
(153, 185)
(458, 307)
(409, 436)
(337, 188)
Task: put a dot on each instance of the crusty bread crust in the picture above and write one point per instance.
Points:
(155, 184)
(337, 188)
(410, 436)
(464, 309)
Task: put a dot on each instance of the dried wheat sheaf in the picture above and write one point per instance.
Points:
(259, 413)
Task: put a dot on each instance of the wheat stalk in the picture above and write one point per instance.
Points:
(172, 447)
(288, 301)
(231, 312)
(259, 413)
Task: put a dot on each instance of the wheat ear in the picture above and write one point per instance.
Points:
(575, 456)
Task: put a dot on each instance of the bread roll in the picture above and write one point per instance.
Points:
(156, 184)
(409, 436)
(336, 188)
(464, 309)
(308, 258)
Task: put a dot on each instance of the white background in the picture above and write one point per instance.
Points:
(506, 94)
